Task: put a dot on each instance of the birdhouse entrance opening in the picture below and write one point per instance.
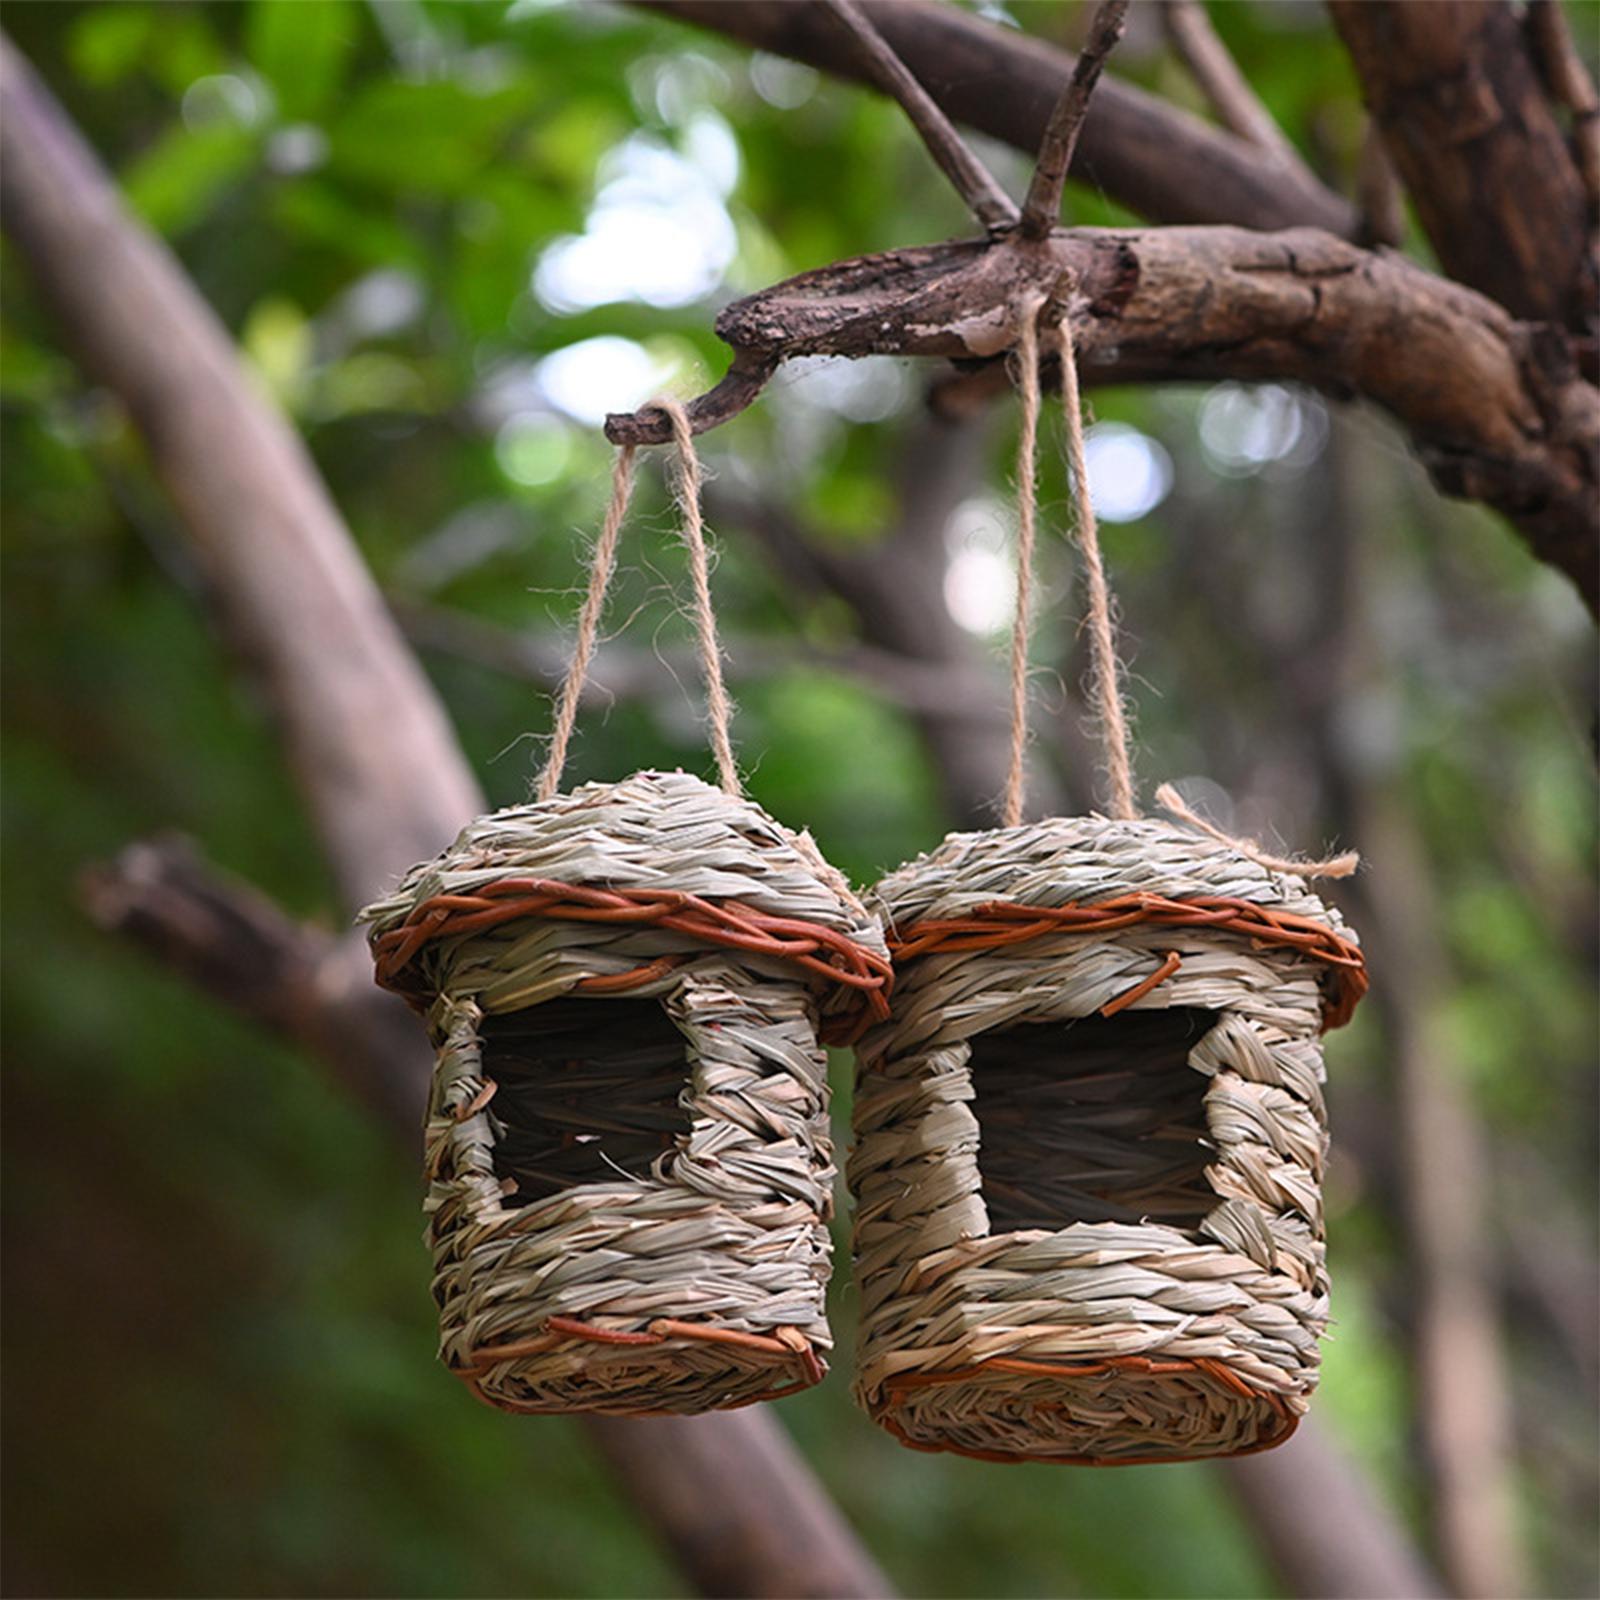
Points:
(1093, 1119)
(588, 1091)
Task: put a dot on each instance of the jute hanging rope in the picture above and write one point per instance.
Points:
(627, 1152)
(1090, 1138)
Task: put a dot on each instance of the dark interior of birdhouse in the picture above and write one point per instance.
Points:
(1093, 1119)
(588, 1092)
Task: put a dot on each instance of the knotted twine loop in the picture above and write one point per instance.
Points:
(684, 475)
(601, 566)
(1027, 505)
(686, 490)
(1106, 666)
(1105, 675)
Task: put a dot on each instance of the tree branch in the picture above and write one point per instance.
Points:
(1041, 211)
(986, 200)
(368, 742)
(1227, 90)
(1495, 409)
(739, 389)
(1569, 83)
(298, 602)
(1322, 1527)
(1383, 204)
(1149, 155)
(1463, 1408)
(1476, 144)
(293, 979)
(1460, 1404)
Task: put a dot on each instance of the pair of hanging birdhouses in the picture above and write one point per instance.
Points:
(1089, 1130)
(1089, 1127)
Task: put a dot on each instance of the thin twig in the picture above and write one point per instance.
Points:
(1227, 90)
(987, 201)
(1569, 82)
(738, 389)
(1165, 163)
(1383, 206)
(1042, 209)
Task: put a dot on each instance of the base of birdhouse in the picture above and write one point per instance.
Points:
(667, 1367)
(1119, 1412)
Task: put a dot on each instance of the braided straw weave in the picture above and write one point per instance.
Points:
(693, 1277)
(1154, 1288)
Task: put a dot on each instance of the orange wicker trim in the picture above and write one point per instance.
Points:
(1001, 923)
(1286, 1423)
(818, 950)
(787, 1342)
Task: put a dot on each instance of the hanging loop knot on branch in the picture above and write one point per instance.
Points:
(1028, 307)
(1105, 675)
(684, 479)
(601, 566)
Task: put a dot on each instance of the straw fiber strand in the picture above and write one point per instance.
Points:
(1089, 1146)
(627, 1152)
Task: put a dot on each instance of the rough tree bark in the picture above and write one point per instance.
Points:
(368, 741)
(1496, 409)
(1476, 143)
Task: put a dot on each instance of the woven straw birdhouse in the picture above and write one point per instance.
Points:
(1089, 1144)
(627, 1153)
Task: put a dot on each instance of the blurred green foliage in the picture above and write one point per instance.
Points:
(220, 1375)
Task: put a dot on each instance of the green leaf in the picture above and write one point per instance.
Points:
(316, 211)
(183, 174)
(108, 43)
(302, 48)
(423, 137)
(278, 342)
